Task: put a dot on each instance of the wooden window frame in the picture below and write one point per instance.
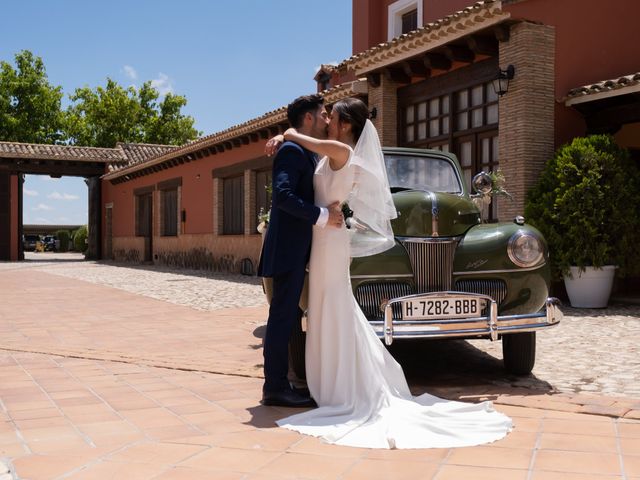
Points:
(147, 194)
(169, 221)
(450, 85)
(235, 226)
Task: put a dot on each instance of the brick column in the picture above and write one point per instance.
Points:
(385, 99)
(526, 128)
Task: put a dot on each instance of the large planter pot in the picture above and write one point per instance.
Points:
(590, 288)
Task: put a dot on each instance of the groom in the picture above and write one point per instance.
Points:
(287, 245)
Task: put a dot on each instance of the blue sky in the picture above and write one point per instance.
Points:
(233, 59)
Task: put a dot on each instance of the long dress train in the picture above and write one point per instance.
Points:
(362, 393)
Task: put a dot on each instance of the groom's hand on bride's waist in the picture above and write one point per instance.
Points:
(336, 218)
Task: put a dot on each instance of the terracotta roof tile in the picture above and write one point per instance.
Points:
(605, 86)
(59, 152)
(135, 153)
(271, 118)
(477, 16)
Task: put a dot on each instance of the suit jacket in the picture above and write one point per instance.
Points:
(288, 240)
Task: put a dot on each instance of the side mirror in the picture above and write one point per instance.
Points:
(482, 183)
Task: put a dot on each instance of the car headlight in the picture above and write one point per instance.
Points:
(525, 249)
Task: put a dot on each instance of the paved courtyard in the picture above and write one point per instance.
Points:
(592, 351)
(109, 371)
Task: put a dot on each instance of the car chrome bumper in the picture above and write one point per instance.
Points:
(492, 325)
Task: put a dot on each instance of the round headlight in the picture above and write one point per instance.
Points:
(525, 249)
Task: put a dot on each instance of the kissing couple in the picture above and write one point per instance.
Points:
(363, 400)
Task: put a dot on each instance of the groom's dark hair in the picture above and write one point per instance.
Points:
(300, 106)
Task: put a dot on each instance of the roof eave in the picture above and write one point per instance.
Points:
(427, 38)
(592, 97)
(357, 87)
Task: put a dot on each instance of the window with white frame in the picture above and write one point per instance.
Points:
(403, 16)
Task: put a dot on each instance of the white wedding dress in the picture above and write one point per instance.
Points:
(362, 394)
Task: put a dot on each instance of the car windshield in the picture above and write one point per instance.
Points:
(422, 173)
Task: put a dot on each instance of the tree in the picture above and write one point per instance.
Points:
(30, 109)
(111, 114)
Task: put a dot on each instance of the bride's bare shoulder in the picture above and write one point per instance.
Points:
(338, 163)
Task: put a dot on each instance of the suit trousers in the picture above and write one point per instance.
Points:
(283, 312)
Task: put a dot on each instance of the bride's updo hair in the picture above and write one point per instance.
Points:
(354, 112)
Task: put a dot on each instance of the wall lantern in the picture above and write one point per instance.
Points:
(501, 82)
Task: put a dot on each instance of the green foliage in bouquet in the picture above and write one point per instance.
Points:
(585, 204)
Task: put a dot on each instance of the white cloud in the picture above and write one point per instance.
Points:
(41, 206)
(62, 196)
(30, 193)
(43, 220)
(49, 179)
(130, 72)
(163, 84)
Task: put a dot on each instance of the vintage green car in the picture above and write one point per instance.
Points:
(450, 275)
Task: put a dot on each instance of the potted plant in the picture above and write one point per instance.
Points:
(585, 204)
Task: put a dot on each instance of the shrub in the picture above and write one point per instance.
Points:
(79, 239)
(585, 205)
(63, 238)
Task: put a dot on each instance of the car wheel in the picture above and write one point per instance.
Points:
(297, 351)
(519, 352)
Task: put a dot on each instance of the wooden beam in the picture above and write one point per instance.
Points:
(437, 61)
(236, 142)
(228, 145)
(264, 134)
(483, 45)
(220, 148)
(397, 75)
(415, 68)
(502, 33)
(458, 53)
(254, 136)
(373, 79)
(274, 130)
(245, 139)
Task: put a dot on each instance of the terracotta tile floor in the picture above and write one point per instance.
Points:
(96, 403)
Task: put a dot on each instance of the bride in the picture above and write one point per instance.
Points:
(361, 391)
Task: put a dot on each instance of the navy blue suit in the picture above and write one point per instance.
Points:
(285, 254)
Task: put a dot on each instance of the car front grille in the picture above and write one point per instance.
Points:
(432, 262)
(370, 295)
(496, 289)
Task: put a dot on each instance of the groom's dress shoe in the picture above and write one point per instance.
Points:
(287, 398)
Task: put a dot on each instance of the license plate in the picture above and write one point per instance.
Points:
(426, 308)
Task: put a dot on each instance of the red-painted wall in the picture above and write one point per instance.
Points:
(196, 192)
(370, 18)
(594, 40)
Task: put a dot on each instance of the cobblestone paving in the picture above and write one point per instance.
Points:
(198, 289)
(591, 351)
